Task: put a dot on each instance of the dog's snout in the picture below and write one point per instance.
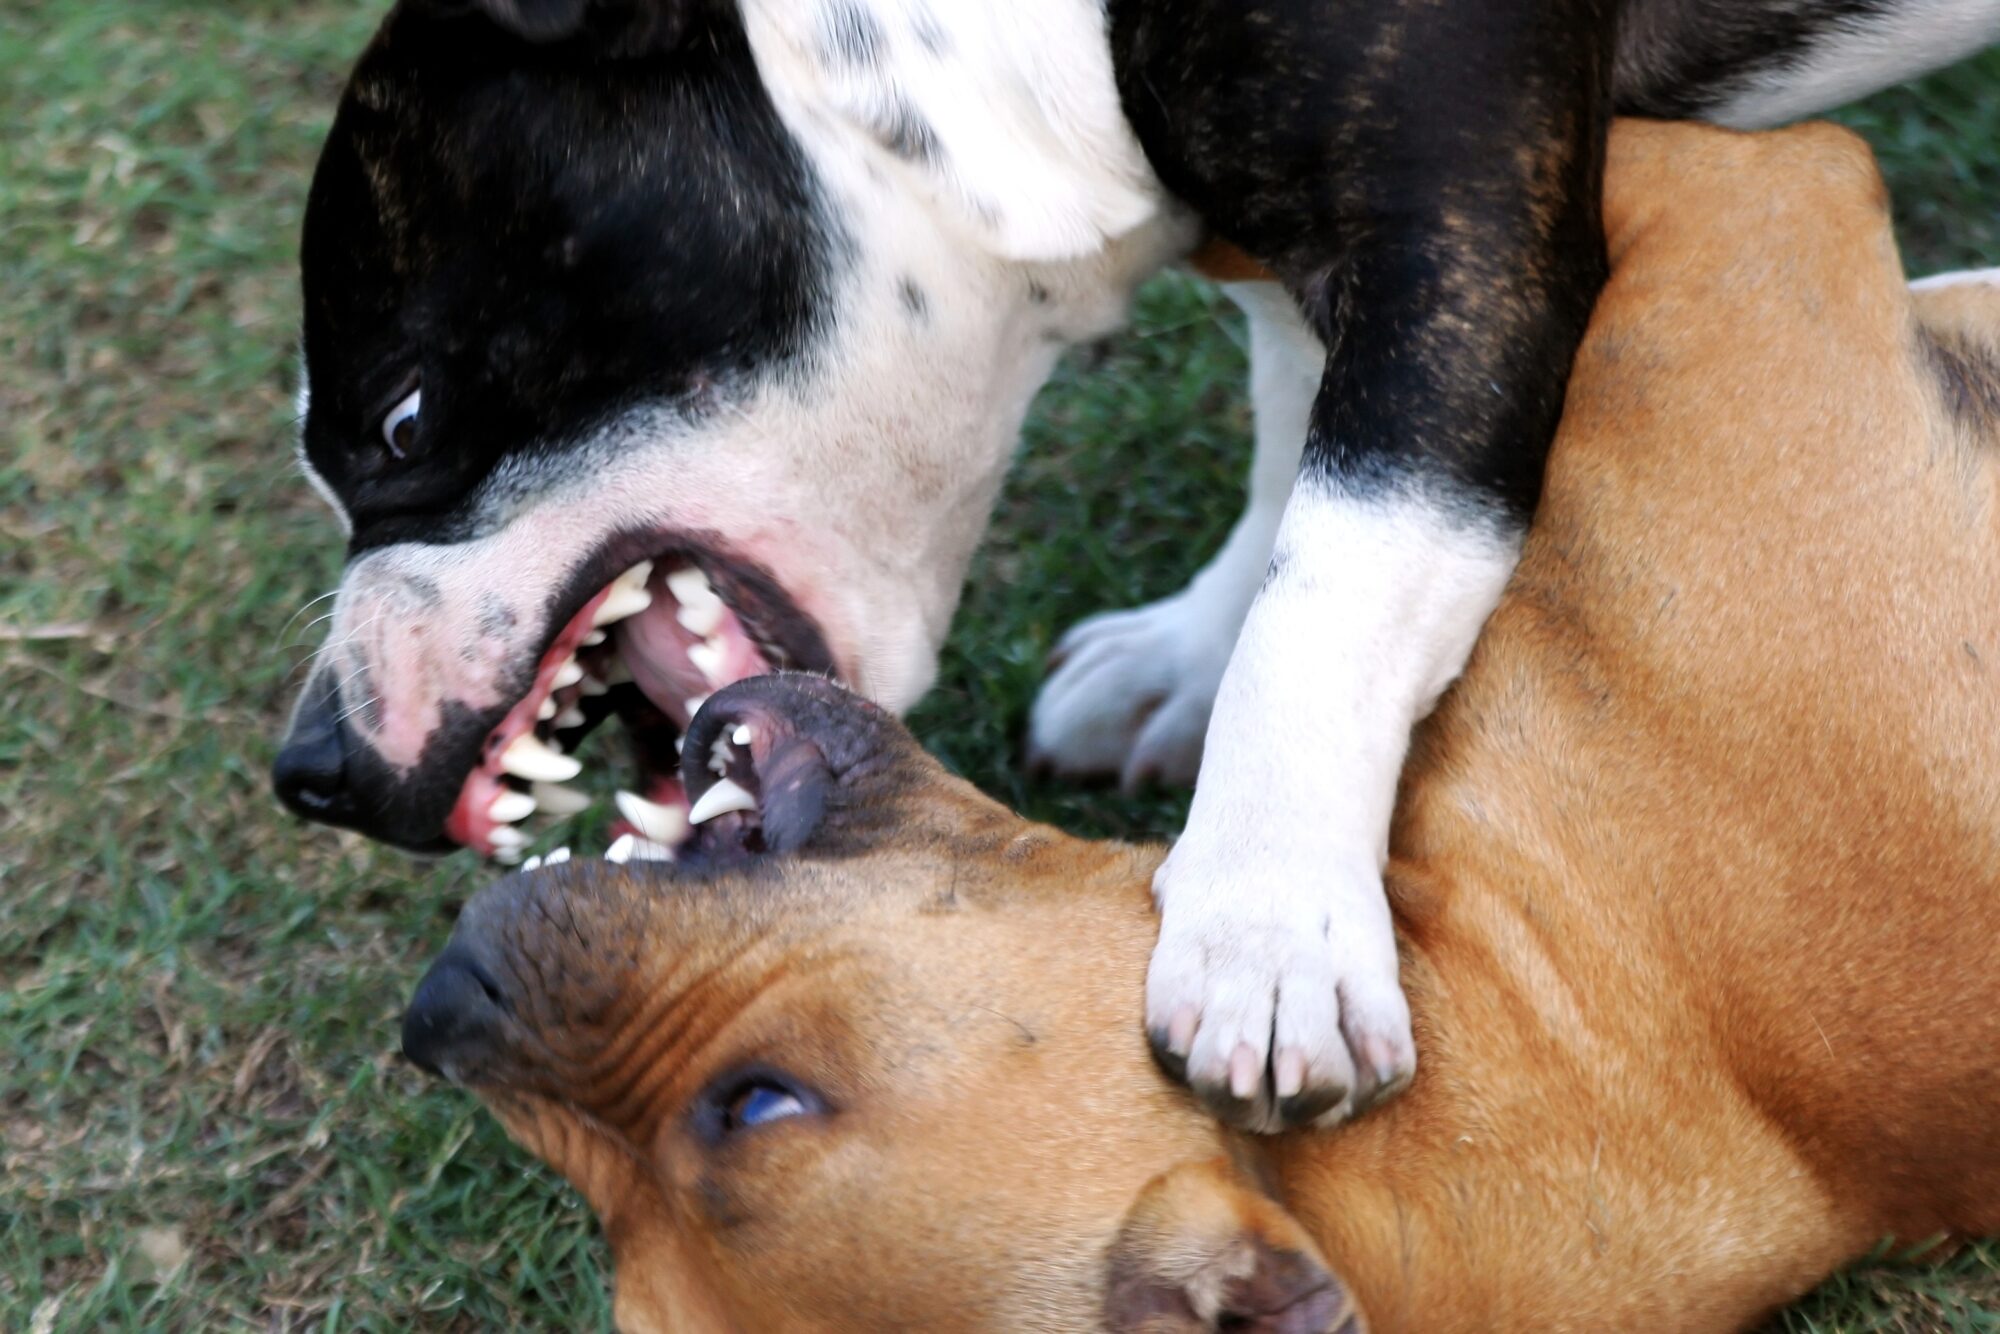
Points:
(310, 773)
(454, 1019)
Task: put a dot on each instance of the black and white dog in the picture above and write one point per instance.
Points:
(652, 343)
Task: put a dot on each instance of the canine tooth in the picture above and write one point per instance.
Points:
(590, 687)
(510, 806)
(556, 858)
(594, 638)
(508, 856)
(635, 577)
(724, 797)
(508, 839)
(558, 800)
(701, 619)
(744, 734)
(691, 588)
(567, 675)
(530, 758)
(657, 823)
(693, 704)
(620, 850)
(645, 850)
(532, 864)
(623, 601)
(546, 711)
(707, 658)
(571, 717)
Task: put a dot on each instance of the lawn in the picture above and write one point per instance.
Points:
(204, 1122)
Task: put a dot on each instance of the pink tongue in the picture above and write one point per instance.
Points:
(656, 647)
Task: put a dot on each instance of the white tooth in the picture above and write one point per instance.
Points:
(546, 711)
(693, 704)
(528, 757)
(645, 850)
(719, 756)
(616, 673)
(558, 800)
(532, 864)
(724, 797)
(556, 858)
(707, 657)
(635, 577)
(594, 638)
(661, 824)
(510, 806)
(624, 601)
(744, 734)
(567, 675)
(621, 848)
(508, 839)
(508, 856)
(571, 717)
(590, 687)
(690, 588)
(701, 619)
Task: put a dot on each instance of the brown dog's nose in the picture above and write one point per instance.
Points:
(453, 1022)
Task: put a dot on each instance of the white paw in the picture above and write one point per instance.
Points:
(1273, 991)
(1130, 692)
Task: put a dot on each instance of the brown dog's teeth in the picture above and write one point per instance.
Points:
(661, 824)
(726, 796)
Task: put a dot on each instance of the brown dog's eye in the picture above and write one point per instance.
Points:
(399, 424)
(759, 1104)
(751, 1098)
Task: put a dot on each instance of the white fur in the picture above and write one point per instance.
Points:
(1133, 690)
(1957, 278)
(1275, 929)
(1035, 161)
(1853, 59)
(303, 403)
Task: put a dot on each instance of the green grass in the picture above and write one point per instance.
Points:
(203, 1120)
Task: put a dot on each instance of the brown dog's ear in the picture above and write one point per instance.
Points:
(620, 27)
(1200, 1250)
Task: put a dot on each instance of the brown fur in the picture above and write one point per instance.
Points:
(1697, 874)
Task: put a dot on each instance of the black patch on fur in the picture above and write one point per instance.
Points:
(1967, 377)
(534, 229)
(1685, 58)
(1037, 293)
(1425, 178)
(852, 35)
(909, 136)
(913, 299)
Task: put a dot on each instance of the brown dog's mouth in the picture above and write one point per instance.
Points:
(649, 648)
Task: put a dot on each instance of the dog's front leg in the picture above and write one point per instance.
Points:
(1129, 692)
(1440, 230)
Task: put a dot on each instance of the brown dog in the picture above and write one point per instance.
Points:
(1697, 875)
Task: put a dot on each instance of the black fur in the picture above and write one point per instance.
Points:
(455, 234)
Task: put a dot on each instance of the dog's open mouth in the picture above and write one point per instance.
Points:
(649, 647)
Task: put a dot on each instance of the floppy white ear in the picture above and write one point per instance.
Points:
(1005, 111)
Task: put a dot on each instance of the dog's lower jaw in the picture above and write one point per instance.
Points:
(1273, 991)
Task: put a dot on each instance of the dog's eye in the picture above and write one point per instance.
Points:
(399, 426)
(759, 1103)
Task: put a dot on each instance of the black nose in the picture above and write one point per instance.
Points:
(310, 773)
(453, 1023)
